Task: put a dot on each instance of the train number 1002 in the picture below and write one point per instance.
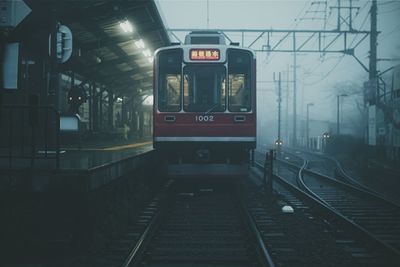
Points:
(204, 118)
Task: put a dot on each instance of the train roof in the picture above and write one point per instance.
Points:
(189, 46)
(205, 37)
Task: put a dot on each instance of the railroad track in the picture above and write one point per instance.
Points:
(365, 250)
(327, 167)
(330, 167)
(226, 226)
(378, 217)
(201, 227)
(372, 214)
(246, 227)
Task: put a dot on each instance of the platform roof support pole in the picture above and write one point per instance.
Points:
(111, 109)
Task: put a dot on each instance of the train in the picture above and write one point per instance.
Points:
(205, 106)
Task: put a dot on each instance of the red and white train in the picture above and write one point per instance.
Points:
(205, 106)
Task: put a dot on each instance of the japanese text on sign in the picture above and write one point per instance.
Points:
(204, 54)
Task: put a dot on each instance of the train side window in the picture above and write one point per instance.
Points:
(239, 76)
(169, 82)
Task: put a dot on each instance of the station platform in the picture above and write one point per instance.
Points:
(91, 157)
(81, 168)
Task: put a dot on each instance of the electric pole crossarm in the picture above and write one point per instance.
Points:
(266, 31)
(338, 40)
(361, 40)
(281, 40)
(345, 21)
(306, 41)
(290, 50)
(383, 72)
(334, 39)
(258, 37)
(362, 65)
(312, 19)
(319, 41)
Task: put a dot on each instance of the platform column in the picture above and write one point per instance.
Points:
(111, 109)
(100, 113)
(95, 108)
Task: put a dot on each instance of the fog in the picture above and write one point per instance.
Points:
(320, 77)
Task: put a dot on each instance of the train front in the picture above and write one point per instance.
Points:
(205, 107)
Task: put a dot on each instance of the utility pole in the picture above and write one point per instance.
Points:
(287, 107)
(294, 141)
(278, 141)
(337, 116)
(373, 89)
(279, 107)
(337, 113)
(307, 125)
(339, 16)
(373, 53)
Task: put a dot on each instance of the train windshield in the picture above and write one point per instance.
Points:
(239, 71)
(204, 88)
(169, 83)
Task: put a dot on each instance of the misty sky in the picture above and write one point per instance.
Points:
(317, 74)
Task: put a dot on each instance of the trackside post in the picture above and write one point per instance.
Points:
(268, 171)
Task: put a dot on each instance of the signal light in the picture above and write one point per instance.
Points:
(76, 97)
(278, 142)
(326, 135)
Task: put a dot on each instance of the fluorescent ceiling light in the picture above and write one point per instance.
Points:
(139, 43)
(147, 53)
(148, 101)
(126, 26)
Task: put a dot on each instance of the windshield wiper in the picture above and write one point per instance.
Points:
(212, 108)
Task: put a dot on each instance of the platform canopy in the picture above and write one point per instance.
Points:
(113, 40)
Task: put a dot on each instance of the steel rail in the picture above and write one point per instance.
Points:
(311, 196)
(347, 188)
(136, 253)
(138, 248)
(266, 256)
(350, 182)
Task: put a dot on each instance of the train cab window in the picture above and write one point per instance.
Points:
(204, 88)
(239, 75)
(169, 82)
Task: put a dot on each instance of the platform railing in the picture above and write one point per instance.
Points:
(29, 136)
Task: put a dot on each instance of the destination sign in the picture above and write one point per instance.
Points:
(204, 54)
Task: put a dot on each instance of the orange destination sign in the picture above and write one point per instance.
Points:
(204, 54)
